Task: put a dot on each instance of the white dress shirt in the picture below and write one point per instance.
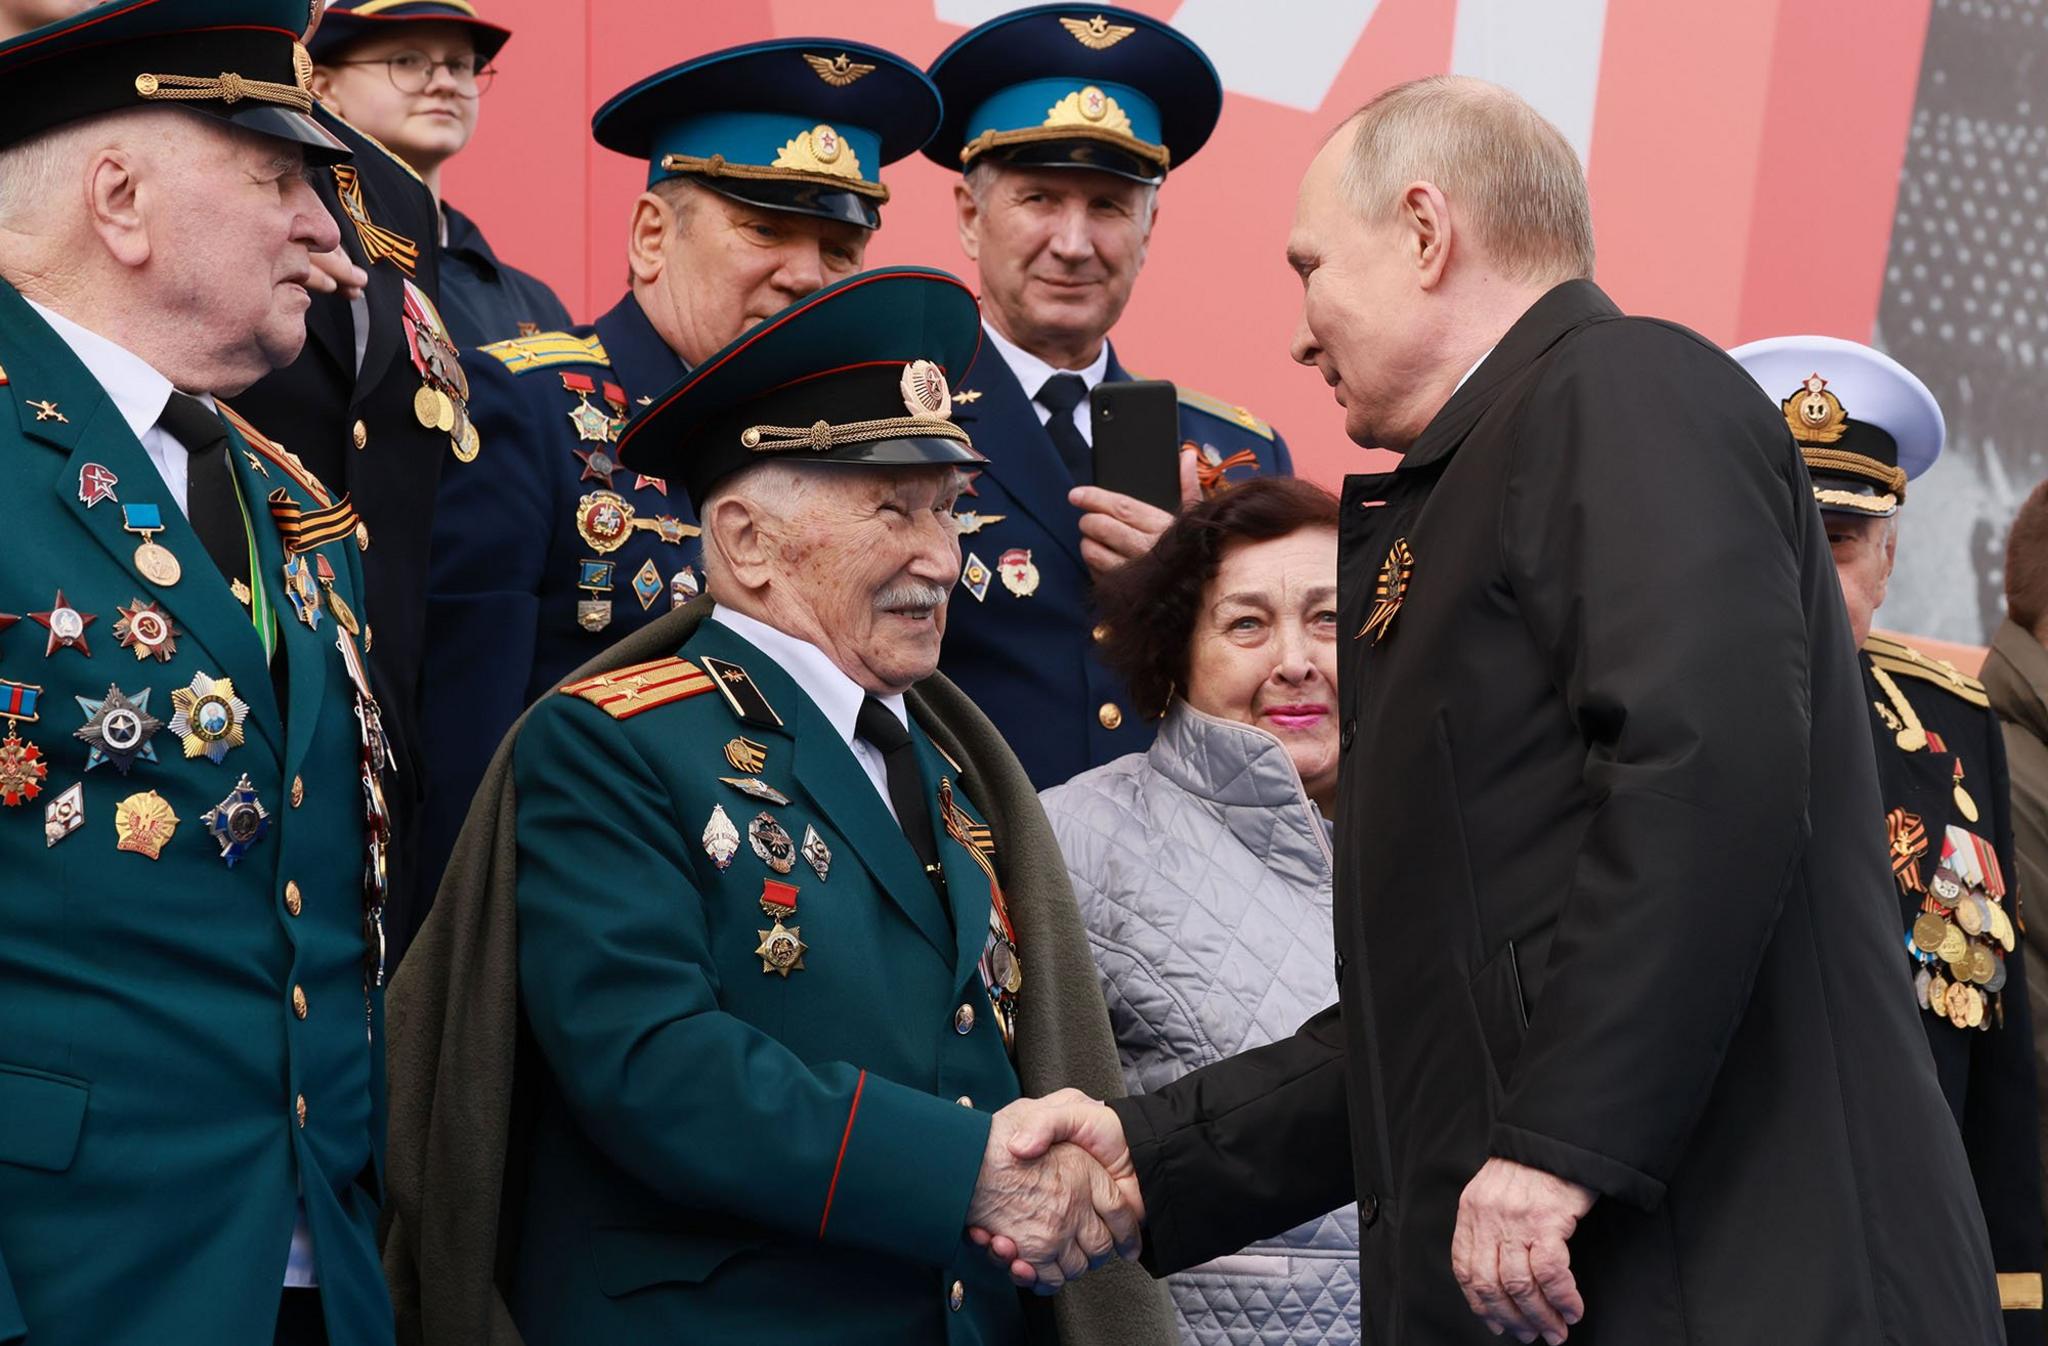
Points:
(823, 681)
(1032, 373)
(137, 391)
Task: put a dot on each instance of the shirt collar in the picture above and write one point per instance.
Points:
(814, 673)
(137, 391)
(1473, 370)
(1032, 372)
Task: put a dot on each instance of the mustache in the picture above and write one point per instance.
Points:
(910, 594)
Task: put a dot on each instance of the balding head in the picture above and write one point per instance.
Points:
(1427, 224)
(1515, 185)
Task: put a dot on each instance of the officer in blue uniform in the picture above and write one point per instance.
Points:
(1867, 427)
(191, 761)
(762, 188)
(1064, 120)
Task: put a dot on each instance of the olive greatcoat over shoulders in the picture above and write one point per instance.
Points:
(1610, 719)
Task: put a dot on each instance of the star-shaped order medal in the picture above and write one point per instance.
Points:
(144, 628)
(782, 947)
(117, 728)
(771, 842)
(66, 626)
(22, 768)
(598, 465)
(237, 822)
(208, 716)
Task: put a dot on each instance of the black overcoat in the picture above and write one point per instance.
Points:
(1607, 839)
(358, 433)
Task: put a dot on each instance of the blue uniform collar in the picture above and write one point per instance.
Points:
(462, 236)
(641, 361)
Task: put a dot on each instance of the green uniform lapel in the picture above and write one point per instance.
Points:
(828, 773)
(307, 651)
(966, 886)
(41, 367)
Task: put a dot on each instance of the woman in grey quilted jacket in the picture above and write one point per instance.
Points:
(1202, 866)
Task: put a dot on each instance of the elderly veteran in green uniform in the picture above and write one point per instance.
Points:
(1867, 426)
(791, 930)
(191, 1065)
(763, 186)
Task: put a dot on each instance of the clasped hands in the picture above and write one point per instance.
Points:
(1057, 1196)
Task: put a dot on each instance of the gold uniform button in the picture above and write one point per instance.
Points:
(1110, 715)
(1101, 632)
(362, 537)
(299, 1001)
(293, 902)
(964, 1101)
(360, 433)
(298, 791)
(956, 1296)
(963, 1020)
(300, 1108)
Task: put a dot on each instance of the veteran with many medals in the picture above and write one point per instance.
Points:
(777, 1022)
(763, 186)
(1064, 121)
(192, 771)
(1867, 426)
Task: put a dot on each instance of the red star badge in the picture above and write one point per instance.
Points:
(66, 626)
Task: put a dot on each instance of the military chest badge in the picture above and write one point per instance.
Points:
(683, 586)
(153, 561)
(721, 838)
(969, 522)
(772, 843)
(974, 577)
(647, 585)
(304, 594)
(1019, 576)
(22, 769)
(743, 754)
(781, 948)
(145, 629)
(756, 789)
(816, 853)
(604, 521)
(208, 716)
(96, 483)
(64, 815)
(237, 822)
(1390, 592)
(66, 626)
(117, 729)
(594, 424)
(143, 824)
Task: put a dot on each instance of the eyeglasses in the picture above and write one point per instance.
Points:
(413, 71)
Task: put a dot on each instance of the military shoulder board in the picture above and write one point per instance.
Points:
(626, 692)
(524, 354)
(1895, 656)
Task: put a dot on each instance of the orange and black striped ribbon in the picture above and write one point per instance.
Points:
(378, 242)
(302, 530)
(1210, 475)
(1908, 842)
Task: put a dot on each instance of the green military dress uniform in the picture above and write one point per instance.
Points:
(740, 1141)
(191, 1048)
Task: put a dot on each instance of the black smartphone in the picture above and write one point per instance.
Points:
(1136, 426)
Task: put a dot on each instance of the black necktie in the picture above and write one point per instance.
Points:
(1060, 395)
(880, 727)
(210, 500)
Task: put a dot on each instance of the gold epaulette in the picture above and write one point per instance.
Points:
(1222, 410)
(277, 454)
(626, 692)
(520, 354)
(1896, 656)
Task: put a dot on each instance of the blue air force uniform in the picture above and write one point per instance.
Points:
(545, 550)
(774, 1021)
(1868, 426)
(1084, 90)
(191, 1066)
(1021, 641)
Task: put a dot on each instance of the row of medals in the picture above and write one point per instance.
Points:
(442, 402)
(1960, 940)
(209, 721)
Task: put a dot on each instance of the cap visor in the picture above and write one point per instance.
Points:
(798, 198)
(281, 123)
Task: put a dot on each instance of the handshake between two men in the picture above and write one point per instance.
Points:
(1058, 1195)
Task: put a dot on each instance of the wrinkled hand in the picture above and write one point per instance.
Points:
(1116, 528)
(1061, 1215)
(1509, 1252)
(1066, 1119)
(332, 270)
